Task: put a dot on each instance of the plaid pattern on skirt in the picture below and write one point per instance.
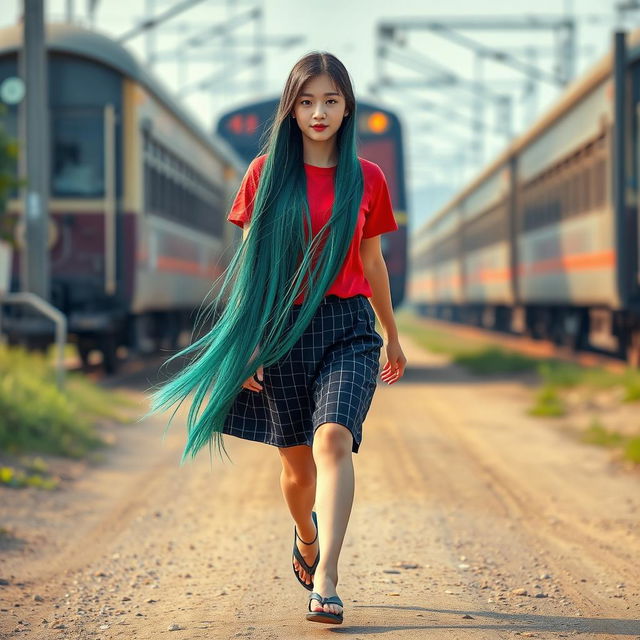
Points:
(329, 375)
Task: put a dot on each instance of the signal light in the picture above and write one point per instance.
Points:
(243, 124)
(377, 122)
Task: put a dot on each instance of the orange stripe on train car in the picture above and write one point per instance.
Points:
(572, 262)
(453, 280)
(490, 275)
(167, 263)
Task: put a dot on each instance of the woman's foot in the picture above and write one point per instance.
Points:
(325, 585)
(309, 551)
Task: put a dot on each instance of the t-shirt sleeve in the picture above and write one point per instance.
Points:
(242, 206)
(379, 219)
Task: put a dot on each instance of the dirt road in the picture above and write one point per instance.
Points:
(470, 521)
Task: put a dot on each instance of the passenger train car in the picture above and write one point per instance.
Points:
(379, 140)
(138, 197)
(544, 241)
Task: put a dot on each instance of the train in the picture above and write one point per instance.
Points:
(544, 241)
(380, 140)
(139, 193)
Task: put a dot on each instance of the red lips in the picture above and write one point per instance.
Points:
(319, 127)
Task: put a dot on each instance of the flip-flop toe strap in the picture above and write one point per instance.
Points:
(333, 600)
(315, 596)
(303, 563)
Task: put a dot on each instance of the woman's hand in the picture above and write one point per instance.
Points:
(393, 369)
(251, 384)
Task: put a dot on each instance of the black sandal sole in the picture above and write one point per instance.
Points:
(325, 616)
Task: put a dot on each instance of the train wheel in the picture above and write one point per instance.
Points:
(84, 347)
(633, 349)
(108, 346)
(173, 330)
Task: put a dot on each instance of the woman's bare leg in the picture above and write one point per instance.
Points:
(298, 483)
(332, 452)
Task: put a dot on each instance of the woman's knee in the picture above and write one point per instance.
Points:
(298, 465)
(333, 439)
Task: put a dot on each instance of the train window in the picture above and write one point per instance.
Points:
(564, 197)
(584, 190)
(160, 196)
(153, 200)
(598, 181)
(147, 187)
(174, 190)
(568, 195)
(555, 205)
(590, 187)
(9, 114)
(171, 201)
(555, 201)
(9, 125)
(547, 208)
(78, 150)
(577, 192)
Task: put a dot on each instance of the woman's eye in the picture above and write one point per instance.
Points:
(330, 100)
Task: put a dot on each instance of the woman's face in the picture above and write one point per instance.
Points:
(319, 103)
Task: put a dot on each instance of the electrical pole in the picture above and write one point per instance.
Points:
(34, 275)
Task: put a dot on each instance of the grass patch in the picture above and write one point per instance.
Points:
(18, 478)
(481, 357)
(631, 382)
(472, 353)
(36, 416)
(548, 403)
(597, 434)
(434, 339)
(495, 360)
(631, 450)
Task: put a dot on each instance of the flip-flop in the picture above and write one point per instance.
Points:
(325, 616)
(296, 552)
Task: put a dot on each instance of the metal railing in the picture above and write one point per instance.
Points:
(59, 319)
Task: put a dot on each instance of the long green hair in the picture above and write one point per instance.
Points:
(268, 271)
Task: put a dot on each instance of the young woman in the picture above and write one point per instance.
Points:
(293, 359)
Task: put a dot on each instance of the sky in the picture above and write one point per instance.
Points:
(438, 123)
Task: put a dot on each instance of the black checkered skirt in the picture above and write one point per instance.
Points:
(329, 375)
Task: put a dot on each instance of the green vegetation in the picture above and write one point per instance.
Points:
(548, 403)
(36, 416)
(30, 477)
(631, 450)
(493, 359)
(480, 356)
(597, 434)
(434, 339)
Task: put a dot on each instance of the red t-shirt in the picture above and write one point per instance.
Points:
(375, 216)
